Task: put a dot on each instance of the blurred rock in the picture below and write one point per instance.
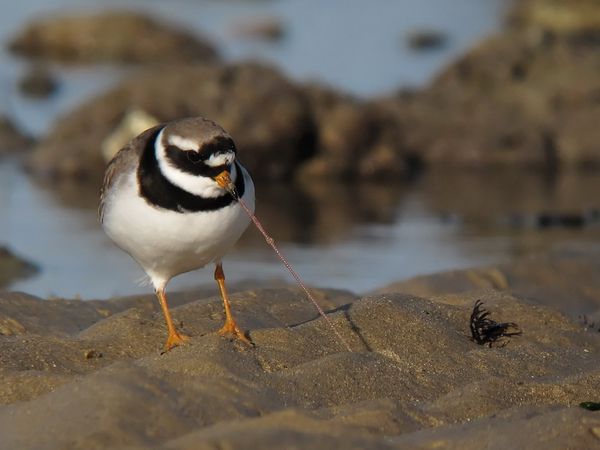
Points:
(117, 36)
(578, 19)
(266, 114)
(260, 28)
(425, 39)
(527, 97)
(11, 139)
(281, 128)
(354, 140)
(38, 82)
(524, 98)
(13, 268)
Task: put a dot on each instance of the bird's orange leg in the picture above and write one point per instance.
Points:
(230, 326)
(175, 338)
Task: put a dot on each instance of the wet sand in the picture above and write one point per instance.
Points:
(90, 374)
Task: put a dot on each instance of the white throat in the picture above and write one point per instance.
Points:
(194, 184)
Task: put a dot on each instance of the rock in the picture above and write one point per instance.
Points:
(524, 98)
(414, 377)
(578, 20)
(355, 139)
(343, 133)
(424, 39)
(13, 268)
(281, 129)
(38, 82)
(113, 36)
(266, 114)
(263, 28)
(11, 139)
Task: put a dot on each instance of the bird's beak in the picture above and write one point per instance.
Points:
(224, 181)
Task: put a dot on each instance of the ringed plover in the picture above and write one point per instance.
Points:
(161, 202)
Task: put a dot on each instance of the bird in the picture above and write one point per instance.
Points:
(164, 203)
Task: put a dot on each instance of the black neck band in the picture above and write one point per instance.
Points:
(161, 193)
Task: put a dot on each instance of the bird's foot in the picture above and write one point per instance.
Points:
(175, 338)
(231, 329)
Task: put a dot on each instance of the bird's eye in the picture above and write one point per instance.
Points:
(193, 157)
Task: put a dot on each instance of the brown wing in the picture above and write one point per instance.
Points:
(125, 158)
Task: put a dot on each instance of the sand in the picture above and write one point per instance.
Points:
(90, 374)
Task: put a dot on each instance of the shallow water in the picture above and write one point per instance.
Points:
(357, 238)
(352, 237)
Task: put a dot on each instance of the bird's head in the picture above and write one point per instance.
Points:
(200, 148)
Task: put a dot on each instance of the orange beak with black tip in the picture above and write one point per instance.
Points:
(224, 181)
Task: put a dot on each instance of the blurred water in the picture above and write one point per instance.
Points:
(352, 237)
(77, 259)
(370, 237)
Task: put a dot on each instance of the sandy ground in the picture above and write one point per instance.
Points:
(90, 374)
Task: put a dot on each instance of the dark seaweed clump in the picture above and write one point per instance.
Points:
(487, 331)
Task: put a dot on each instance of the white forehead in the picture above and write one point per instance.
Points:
(182, 143)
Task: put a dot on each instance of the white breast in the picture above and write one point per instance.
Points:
(166, 243)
